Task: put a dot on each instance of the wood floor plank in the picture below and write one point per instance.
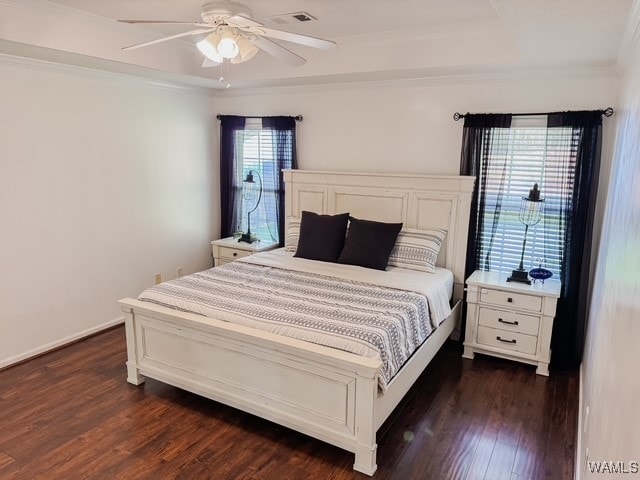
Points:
(482, 456)
(5, 459)
(532, 445)
(71, 414)
(492, 425)
(554, 463)
(501, 462)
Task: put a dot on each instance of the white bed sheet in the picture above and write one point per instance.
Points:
(440, 281)
(247, 298)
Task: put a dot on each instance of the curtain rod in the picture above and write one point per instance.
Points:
(607, 112)
(297, 118)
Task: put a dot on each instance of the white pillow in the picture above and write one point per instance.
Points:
(292, 235)
(417, 249)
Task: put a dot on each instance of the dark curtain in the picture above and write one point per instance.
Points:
(480, 151)
(284, 148)
(569, 328)
(229, 125)
(479, 137)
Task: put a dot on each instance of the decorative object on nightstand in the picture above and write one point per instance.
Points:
(226, 250)
(510, 320)
(251, 193)
(530, 214)
(539, 273)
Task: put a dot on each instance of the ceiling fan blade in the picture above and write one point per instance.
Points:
(170, 37)
(166, 22)
(242, 22)
(294, 38)
(209, 63)
(278, 51)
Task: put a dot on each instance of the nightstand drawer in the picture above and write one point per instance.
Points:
(511, 321)
(517, 342)
(511, 300)
(233, 253)
(226, 250)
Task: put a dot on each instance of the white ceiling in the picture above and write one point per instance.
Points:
(378, 39)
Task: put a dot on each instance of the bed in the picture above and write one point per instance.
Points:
(331, 394)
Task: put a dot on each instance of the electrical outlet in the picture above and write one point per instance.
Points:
(158, 278)
(180, 272)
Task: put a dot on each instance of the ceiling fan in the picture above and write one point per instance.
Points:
(230, 33)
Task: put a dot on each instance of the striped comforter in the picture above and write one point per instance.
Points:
(340, 306)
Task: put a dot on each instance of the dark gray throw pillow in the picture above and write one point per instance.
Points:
(321, 236)
(369, 243)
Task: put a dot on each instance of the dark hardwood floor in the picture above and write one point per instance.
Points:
(71, 414)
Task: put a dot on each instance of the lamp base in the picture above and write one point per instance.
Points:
(246, 238)
(521, 276)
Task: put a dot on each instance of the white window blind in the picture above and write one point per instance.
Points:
(254, 147)
(518, 157)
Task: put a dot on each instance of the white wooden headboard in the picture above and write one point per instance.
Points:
(418, 201)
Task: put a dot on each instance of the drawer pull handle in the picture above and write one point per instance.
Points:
(505, 341)
(235, 254)
(510, 300)
(508, 322)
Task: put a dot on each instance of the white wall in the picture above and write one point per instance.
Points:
(104, 181)
(610, 381)
(407, 126)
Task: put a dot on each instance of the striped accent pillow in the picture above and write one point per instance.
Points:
(293, 235)
(417, 249)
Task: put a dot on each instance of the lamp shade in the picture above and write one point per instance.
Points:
(228, 47)
(227, 43)
(247, 50)
(531, 207)
(208, 47)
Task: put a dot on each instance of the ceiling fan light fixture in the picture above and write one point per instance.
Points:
(208, 48)
(247, 50)
(228, 47)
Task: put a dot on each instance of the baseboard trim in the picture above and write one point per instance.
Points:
(35, 352)
(577, 463)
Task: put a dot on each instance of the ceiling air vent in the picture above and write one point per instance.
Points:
(292, 18)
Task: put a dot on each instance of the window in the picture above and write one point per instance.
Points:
(256, 150)
(520, 156)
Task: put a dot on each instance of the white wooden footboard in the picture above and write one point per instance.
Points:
(322, 392)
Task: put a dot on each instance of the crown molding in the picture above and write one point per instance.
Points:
(44, 59)
(41, 58)
(421, 78)
(631, 38)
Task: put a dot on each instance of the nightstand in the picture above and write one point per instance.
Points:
(510, 320)
(228, 249)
